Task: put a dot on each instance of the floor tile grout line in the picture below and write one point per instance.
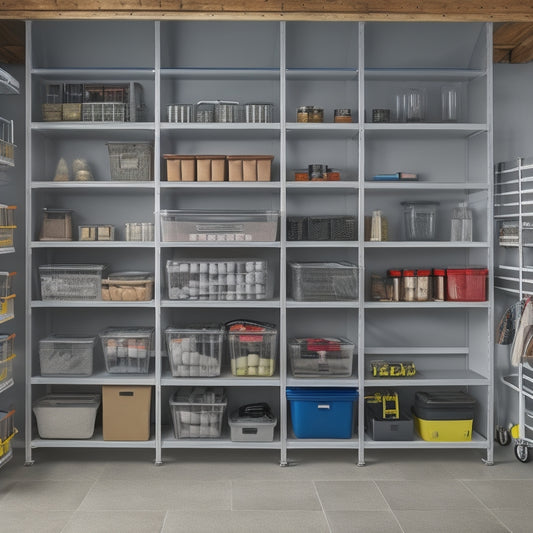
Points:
(491, 512)
(80, 504)
(231, 495)
(388, 505)
(164, 522)
(322, 506)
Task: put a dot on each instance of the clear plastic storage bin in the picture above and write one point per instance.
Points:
(71, 282)
(127, 350)
(330, 357)
(72, 356)
(219, 279)
(222, 226)
(466, 284)
(195, 351)
(323, 281)
(420, 220)
(197, 413)
(66, 416)
(252, 348)
(131, 161)
(6, 283)
(6, 361)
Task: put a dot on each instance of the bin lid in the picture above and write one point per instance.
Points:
(64, 338)
(210, 157)
(316, 344)
(444, 399)
(322, 394)
(130, 275)
(68, 400)
(131, 332)
(82, 267)
(335, 264)
(250, 157)
(176, 156)
(197, 328)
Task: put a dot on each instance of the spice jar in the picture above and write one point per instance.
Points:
(423, 286)
(316, 172)
(408, 286)
(395, 276)
(302, 113)
(316, 115)
(438, 284)
(342, 115)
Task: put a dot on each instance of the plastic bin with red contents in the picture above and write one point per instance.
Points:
(466, 284)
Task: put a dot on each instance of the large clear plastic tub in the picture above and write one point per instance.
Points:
(195, 351)
(71, 282)
(197, 413)
(127, 350)
(329, 357)
(60, 356)
(332, 281)
(220, 226)
(219, 279)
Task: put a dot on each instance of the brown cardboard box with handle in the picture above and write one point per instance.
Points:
(126, 412)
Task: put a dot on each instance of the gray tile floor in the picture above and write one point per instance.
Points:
(230, 491)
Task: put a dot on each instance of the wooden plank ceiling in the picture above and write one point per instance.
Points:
(513, 41)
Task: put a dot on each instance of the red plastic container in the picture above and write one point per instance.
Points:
(466, 284)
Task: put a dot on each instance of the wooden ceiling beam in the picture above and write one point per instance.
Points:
(372, 10)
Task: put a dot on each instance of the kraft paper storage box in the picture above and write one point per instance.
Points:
(210, 167)
(249, 167)
(126, 412)
(180, 167)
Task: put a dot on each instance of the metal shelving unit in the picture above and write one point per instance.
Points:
(455, 159)
(8, 86)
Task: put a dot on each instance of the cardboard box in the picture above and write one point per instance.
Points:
(126, 412)
(181, 167)
(210, 167)
(249, 167)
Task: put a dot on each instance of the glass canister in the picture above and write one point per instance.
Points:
(408, 288)
(342, 115)
(423, 285)
(416, 105)
(395, 276)
(461, 223)
(438, 284)
(420, 220)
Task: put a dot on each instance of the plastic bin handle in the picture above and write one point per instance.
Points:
(324, 406)
(216, 102)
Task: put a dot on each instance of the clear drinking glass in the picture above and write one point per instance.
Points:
(420, 220)
(450, 102)
(416, 105)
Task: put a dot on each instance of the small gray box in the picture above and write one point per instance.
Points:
(401, 429)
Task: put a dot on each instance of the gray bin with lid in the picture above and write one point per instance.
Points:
(62, 356)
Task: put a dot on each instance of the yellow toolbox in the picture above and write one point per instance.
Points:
(444, 430)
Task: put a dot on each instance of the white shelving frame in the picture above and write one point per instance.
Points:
(358, 138)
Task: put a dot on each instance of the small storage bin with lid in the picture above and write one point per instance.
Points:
(195, 351)
(252, 348)
(6, 283)
(71, 282)
(139, 231)
(180, 167)
(252, 423)
(444, 416)
(197, 225)
(466, 284)
(330, 357)
(66, 416)
(7, 225)
(219, 279)
(317, 281)
(250, 167)
(322, 413)
(127, 350)
(131, 161)
(66, 356)
(128, 287)
(7, 431)
(420, 220)
(197, 413)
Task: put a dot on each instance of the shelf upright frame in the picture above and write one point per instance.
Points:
(28, 253)
(283, 241)
(361, 251)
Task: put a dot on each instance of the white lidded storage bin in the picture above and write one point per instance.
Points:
(72, 356)
(195, 351)
(252, 348)
(197, 412)
(220, 226)
(127, 350)
(331, 281)
(247, 427)
(219, 279)
(71, 282)
(66, 416)
(329, 357)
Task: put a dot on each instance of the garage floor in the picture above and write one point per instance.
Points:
(226, 491)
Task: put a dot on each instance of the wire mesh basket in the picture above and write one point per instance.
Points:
(131, 161)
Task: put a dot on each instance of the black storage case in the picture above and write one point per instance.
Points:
(444, 405)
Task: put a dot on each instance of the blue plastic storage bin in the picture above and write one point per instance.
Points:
(322, 413)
